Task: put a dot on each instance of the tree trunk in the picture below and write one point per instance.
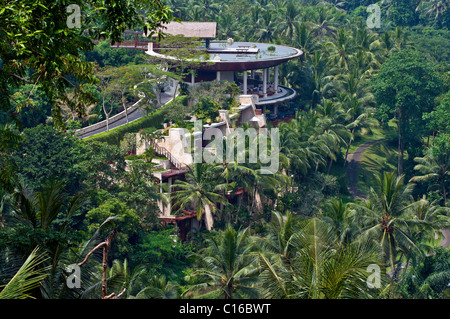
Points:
(329, 166)
(348, 147)
(104, 271)
(208, 218)
(400, 142)
(124, 103)
(158, 96)
(106, 115)
(105, 245)
(444, 191)
(126, 111)
(175, 90)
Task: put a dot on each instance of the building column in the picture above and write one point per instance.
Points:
(218, 76)
(245, 82)
(275, 78)
(192, 79)
(265, 73)
(252, 74)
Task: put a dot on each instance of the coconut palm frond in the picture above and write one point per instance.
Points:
(27, 278)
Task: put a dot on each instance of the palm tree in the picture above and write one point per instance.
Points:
(434, 8)
(266, 27)
(431, 219)
(341, 218)
(208, 8)
(303, 38)
(341, 49)
(338, 4)
(428, 278)
(27, 278)
(199, 192)
(298, 142)
(227, 265)
(252, 177)
(159, 287)
(320, 73)
(235, 176)
(39, 211)
(9, 140)
(383, 217)
(319, 269)
(435, 167)
(334, 133)
(136, 283)
(286, 27)
(194, 12)
(323, 23)
(357, 102)
(228, 28)
(278, 237)
(394, 41)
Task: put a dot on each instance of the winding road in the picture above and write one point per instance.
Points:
(353, 161)
(121, 119)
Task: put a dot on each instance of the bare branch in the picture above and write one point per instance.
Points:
(32, 89)
(91, 252)
(21, 78)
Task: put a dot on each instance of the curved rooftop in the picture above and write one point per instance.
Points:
(240, 56)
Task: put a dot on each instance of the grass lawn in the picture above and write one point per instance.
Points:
(376, 134)
(377, 158)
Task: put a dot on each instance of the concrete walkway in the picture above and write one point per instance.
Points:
(122, 120)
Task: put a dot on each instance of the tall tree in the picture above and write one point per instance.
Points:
(435, 165)
(199, 192)
(124, 85)
(406, 87)
(228, 265)
(383, 217)
(318, 268)
(37, 37)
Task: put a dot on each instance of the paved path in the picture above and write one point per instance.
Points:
(132, 116)
(353, 161)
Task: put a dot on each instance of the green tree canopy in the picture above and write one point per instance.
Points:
(406, 87)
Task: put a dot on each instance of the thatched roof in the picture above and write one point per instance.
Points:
(201, 30)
